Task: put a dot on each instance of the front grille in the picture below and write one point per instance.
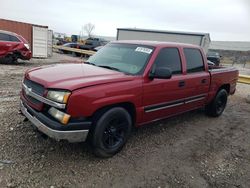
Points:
(33, 100)
(36, 88)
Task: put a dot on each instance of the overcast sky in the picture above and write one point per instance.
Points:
(223, 19)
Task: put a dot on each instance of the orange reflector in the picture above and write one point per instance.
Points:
(65, 119)
(66, 97)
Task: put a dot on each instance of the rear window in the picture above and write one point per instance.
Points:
(194, 60)
(6, 37)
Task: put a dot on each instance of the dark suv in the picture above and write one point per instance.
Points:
(13, 47)
(214, 57)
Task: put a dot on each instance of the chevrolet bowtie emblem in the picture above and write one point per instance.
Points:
(27, 90)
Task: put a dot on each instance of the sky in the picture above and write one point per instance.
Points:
(225, 20)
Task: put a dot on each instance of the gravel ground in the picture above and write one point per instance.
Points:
(191, 150)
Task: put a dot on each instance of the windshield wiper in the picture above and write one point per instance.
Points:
(109, 67)
(103, 66)
(89, 63)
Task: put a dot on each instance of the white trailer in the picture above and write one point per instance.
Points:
(201, 39)
(42, 42)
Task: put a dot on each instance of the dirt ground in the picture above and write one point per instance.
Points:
(191, 150)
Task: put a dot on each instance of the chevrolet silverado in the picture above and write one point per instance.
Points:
(125, 84)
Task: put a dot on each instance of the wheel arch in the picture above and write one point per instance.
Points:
(129, 106)
(226, 87)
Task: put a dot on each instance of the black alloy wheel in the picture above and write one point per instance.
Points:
(114, 134)
(218, 105)
(111, 132)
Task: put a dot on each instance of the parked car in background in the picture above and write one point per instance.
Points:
(210, 63)
(125, 84)
(97, 48)
(214, 57)
(71, 45)
(92, 43)
(13, 47)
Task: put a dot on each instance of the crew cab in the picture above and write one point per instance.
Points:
(13, 47)
(125, 84)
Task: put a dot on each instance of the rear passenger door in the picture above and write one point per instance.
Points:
(197, 79)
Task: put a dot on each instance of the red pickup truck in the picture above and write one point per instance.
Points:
(125, 84)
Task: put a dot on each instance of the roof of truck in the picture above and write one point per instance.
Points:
(156, 43)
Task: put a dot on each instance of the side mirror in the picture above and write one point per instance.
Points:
(161, 73)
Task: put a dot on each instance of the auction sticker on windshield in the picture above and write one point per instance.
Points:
(144, 50)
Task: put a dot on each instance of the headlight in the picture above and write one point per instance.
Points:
(27, 46)
(60, 116)
(59, 96)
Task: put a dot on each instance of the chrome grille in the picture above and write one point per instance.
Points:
(36, 88)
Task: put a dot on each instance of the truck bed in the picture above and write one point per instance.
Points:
(222, 76)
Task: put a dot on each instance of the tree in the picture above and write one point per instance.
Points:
(88, 28)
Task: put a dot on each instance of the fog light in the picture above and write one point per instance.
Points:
(60, 116)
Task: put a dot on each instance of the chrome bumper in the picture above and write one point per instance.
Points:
(71, 136)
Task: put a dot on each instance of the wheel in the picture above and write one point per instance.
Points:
(111, 132)
(7, 60)
(217, 106)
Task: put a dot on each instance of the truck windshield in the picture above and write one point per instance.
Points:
(127, 58)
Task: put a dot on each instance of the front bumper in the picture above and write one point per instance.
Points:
(26, 55)
(69, 135)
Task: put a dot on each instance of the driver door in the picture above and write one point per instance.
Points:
(165, 97)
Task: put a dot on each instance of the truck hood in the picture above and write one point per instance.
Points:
(74, 76)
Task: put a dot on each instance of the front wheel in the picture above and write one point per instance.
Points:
(111, 132)
(217, 106)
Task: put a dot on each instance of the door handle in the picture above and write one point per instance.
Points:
(203, 81)
(181, 83)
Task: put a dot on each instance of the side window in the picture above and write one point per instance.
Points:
(194, 60)
(169, 58)
(4, 37)
(14, 39)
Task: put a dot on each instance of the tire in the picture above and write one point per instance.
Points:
(217, 106)
(111, 132)
(7, 60)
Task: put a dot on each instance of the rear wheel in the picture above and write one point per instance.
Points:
(111, 132)
(217, 106)
(7, 60)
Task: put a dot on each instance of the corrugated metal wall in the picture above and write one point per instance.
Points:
(21, 28)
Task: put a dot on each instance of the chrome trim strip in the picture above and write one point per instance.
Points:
(195, 97)
(165, 107)
(71, 136)
(29, 92)
(176, 103)
(194, 100)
